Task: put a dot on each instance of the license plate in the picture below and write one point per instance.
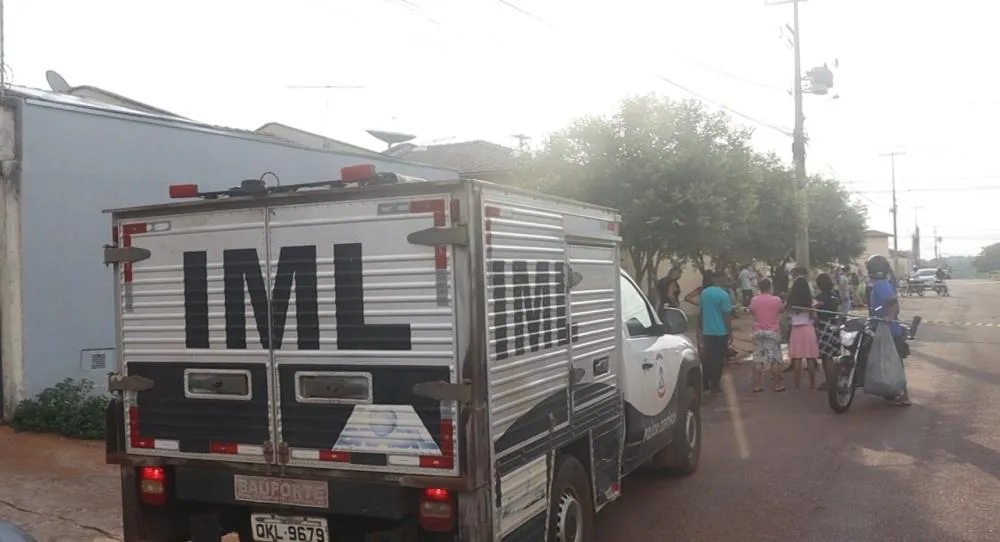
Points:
(281, 491)
(275, 528)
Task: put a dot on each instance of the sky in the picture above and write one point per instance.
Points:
(912, 77)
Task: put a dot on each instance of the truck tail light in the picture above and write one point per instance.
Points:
(437, 510)
(153, 485)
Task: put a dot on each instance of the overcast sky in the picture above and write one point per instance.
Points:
(914, 76)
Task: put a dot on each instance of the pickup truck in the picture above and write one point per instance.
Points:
(381, 358)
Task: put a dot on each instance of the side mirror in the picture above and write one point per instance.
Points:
(634, 327)
(675, 321)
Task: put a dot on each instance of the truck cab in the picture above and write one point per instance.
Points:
(381, 358)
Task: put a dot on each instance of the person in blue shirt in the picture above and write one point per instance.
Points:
(883, 303)
(716, 329)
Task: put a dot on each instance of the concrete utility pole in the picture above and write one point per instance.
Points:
(799, 141)
(895, 209)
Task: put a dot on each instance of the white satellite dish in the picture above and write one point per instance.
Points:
(56, 82)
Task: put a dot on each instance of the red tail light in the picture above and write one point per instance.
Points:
(153, 485)
(437, 510)
(183, 191)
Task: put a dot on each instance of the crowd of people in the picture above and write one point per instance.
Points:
(786, 309)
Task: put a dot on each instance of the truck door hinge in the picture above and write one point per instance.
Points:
(455, 235)
(120, 382)
(444, 391)
(113, 254)
(268, 452)
(282, 454)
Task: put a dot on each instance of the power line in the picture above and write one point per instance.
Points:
(720, 71)
(663, 78)
(935, 190)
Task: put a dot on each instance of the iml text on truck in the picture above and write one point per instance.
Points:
(381, 358)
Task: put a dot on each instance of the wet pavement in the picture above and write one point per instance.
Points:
(775, 467)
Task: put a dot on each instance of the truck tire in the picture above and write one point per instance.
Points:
(571, 506)
(682, 456)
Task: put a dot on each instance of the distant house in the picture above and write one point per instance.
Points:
(474, 159)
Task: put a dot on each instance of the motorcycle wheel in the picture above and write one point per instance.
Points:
(841, 391)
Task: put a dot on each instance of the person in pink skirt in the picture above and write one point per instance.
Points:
(803, 346)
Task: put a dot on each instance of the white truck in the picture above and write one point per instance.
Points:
(377, 359)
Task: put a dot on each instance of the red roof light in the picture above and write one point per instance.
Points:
(358, 173)
(183, 191)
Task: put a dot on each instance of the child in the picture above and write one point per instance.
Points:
(802, 343)
(766, 309)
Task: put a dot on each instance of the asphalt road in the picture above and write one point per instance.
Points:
(783, 466)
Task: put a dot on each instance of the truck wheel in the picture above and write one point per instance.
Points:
(571, 507)
(681, 458)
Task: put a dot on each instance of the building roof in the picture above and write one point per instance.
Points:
(469, 157)
(876, 233)
(102, 95)
(311, 139)
(127, 107)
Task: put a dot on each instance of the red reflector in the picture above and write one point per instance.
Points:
(153, 473)
(133, 229)
(360, 172)
(491, 212)
(435, 206)
(613, 226)
(437, 462)
(223, 448)
(338, 457)
(139, 442)
(183, 191)
(133, 430)
(440, 257)
(447, 437)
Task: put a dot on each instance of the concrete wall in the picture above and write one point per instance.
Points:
(77, 162)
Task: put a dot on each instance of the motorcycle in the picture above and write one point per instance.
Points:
(910, 287)
(941, 288)
(856, 337)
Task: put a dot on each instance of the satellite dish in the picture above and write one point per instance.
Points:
(56, 82)
(390, 138)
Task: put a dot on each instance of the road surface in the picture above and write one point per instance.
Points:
(775, 467)
(783, 467)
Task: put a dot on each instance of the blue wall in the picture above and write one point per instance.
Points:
(76, 163)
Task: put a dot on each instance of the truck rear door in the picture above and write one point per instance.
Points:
(294, 334)
(377, 320)
(183, 321)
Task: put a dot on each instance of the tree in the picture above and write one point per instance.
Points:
(988, 260)
(690, 187)
(836, 225)
(671, 168)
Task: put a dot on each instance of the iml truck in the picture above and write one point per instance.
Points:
(381, 358)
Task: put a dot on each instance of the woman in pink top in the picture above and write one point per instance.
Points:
(766, 309)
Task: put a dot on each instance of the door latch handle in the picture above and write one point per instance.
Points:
(647, 366)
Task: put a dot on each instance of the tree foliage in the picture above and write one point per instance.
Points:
(689, 186)
(988, 260)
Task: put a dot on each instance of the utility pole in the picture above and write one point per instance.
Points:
(895, 209)
(799, 141)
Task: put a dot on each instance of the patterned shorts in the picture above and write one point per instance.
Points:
(766, 347)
